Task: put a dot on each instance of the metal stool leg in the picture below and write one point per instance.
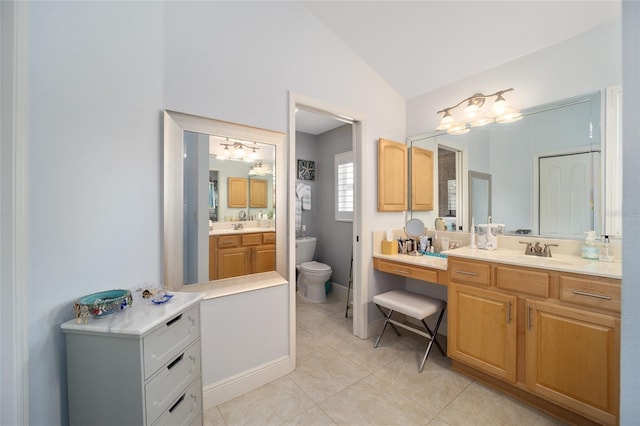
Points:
(433, 339)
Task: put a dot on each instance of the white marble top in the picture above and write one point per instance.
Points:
(139, 319)
(240, 231)
(236, 285)
(426, 261)
(559, 262)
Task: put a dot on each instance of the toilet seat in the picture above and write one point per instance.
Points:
(314, 267)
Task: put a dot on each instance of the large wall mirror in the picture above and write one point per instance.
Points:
(220, 178)
(543, 175)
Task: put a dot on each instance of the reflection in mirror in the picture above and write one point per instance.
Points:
(530, 161)
(202, 220)
(479, 197)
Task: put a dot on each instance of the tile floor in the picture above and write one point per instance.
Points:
(342, 380)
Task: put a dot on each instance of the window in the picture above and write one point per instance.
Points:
(344, 178)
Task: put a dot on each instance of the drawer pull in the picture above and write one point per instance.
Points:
(473, 274)
(173, 407)
(175, 361)
(508, 312)
(178, 318)
(402, 271)
(597, 296)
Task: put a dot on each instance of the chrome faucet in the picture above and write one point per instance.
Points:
(237, 226)
(534, 249)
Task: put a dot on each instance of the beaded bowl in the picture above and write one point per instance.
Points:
(102, 303)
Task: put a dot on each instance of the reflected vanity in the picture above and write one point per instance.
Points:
(220, 200)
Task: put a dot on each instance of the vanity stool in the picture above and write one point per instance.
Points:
(413, 305)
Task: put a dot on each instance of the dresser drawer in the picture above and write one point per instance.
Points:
(228, 241)
(534, 283)
(466, 272)
(251, 239)
(269, 238)
(185, 409)
(409, 271)
(171, 381)
(596, 293)
(166, 342)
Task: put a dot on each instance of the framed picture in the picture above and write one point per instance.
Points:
(306, 170)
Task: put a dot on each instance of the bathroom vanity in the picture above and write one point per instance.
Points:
(546, 330)
(239, 252)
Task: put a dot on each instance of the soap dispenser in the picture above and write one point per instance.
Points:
(590, 247)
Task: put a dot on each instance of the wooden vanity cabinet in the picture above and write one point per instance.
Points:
(392, 176)
(258, 193)
(237, 192)
(421, 179)
(553, 335)
(241, 254)
(482, 330)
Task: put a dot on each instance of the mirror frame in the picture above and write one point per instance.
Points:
(175, 124)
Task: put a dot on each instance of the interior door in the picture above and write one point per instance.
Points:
(566, 202)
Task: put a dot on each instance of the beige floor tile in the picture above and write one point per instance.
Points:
(323, 373)
(479, 405)
(369, 402)
(438, 422)
(312, 417)
(212, 417)
(434, 388)
(270, 404)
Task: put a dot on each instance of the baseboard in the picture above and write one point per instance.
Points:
(234, 386)
(340, 290)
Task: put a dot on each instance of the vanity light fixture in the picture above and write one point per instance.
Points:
(474, 116)
(238, 152)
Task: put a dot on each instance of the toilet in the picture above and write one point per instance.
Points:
(312, 275)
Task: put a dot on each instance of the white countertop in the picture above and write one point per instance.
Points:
(240, 231)
(559, 262)
(140, 318)
(426, 261)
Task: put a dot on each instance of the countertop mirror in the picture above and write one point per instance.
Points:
(202, 157)
(543, 175)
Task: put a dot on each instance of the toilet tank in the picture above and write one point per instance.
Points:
(305, 249)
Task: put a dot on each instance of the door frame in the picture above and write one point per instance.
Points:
(360, 238)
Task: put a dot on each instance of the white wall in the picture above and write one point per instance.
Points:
(586, 63)
(100, 76)
(630, 351)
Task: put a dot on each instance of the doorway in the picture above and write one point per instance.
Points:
(340, 117)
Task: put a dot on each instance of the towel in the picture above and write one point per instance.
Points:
(298, 214)
(303, 191)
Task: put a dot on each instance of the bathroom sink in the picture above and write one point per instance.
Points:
(537, 261)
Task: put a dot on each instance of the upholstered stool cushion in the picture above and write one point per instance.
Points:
(411, 304)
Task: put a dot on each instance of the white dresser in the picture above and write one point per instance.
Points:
(141, 366)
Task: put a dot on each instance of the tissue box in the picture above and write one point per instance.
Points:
(389, 247)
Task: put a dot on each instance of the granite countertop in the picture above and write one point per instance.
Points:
(228, 231)
(559, 262)
(434, 262)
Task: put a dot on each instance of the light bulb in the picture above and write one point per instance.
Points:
(471, 111)
(446, 122)
(481, 119)
(226, 154)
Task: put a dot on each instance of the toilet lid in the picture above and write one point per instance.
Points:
(315, 267)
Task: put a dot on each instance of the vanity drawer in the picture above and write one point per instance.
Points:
(166, 342)
(185, 409)
(171, 381)
(534, 283)
(593, 292)
(228, 241)
(466, 272)
(406, 270)
(251, 239)
(269, 238)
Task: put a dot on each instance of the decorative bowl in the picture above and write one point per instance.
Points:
(102, 303)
